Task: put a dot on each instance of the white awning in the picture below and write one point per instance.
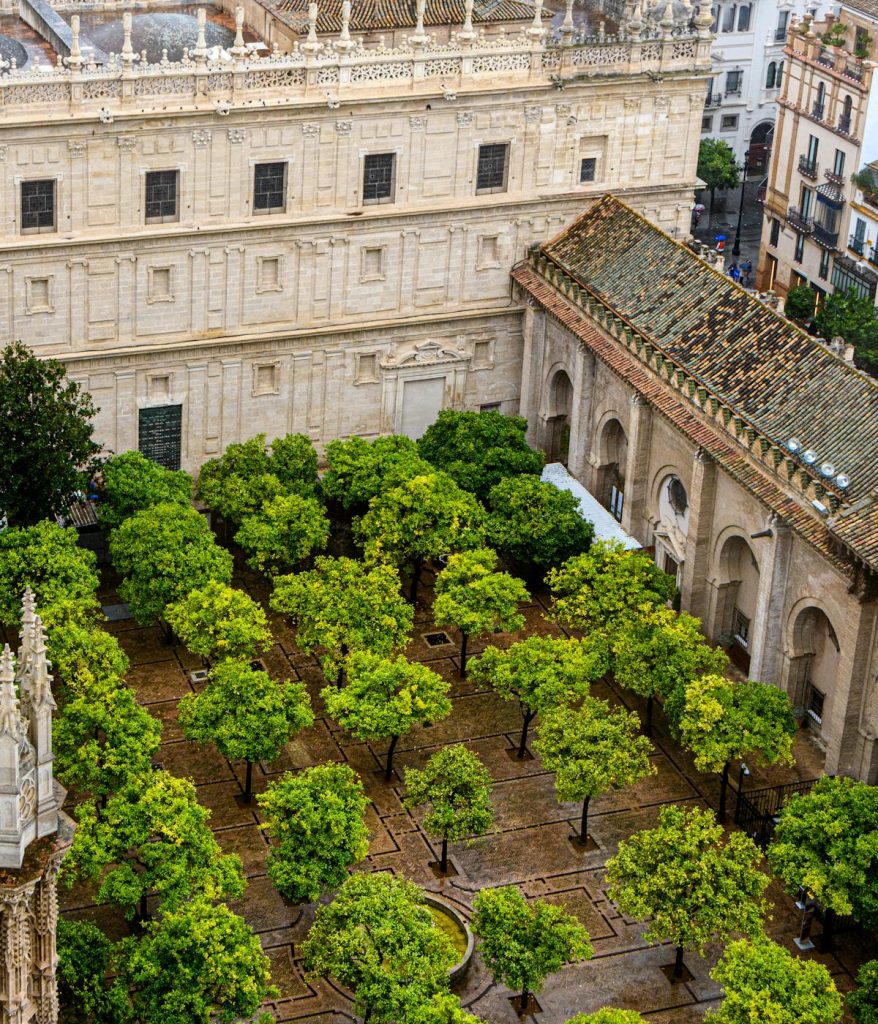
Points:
(605, 526)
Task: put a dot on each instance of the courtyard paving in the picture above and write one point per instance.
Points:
(530, 846)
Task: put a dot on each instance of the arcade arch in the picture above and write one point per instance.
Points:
(737, 591)
(814, 656)
(560, 408)
(612, 454)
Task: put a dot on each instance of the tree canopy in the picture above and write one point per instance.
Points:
(457, 787)
(343, 605)
(542, 673)
(152, 837)
(863, 1001)
(384, 698)
(164, 553)
(84, 964)
(132, 482)
(293, 461)
(245, 713)
(479, 449)
(360, 469)
(608, 1015)
(591, 748)
(198, 964)
(689, 883)
(523, 943)
(853, 317)
(443, 1008)
(827, 841)
(46, 449)
(422, 518)
(85, 658)
(217, 621)
(763, 982)
(716, 165)
(316, 819)
(607, 586)
(378, 939)
(535, 523)
(283, 533)
(62, 575)
(473, 596)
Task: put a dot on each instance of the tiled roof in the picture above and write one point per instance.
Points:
(858, 529)
(754, 360)
(867, 7)
(372, 15)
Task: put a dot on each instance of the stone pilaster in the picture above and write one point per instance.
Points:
(634, 508)
(766, 644)
(694, 593)
(534, 334)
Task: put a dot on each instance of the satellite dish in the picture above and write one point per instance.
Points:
(827, 469)
(810, 456)
(842, 481)
(794, 444)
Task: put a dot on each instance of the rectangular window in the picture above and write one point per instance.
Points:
(617, 500)
(159, 434)
(729, 18)
(379, 177)
(798, 280)
(161, 196)
(38, 206)
(780, 33)
(587, 167)
(823, 272)
(744, 18)
(806, 196)
(492, 168)
(838, 163)
(815, 703)
(774, 237)
(770, 272)
(740, 628)
(812, 149)
(707, 124)
(729, 123)
(269, 188)
(733, 82)
(800, 248)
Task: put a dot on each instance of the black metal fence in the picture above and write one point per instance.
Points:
(757, 812)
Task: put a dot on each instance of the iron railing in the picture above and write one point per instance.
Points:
(796, 219)
(757, 812)
(807, 167)
(857, 244)
(825, 237)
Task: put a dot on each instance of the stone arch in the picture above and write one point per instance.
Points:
(670, 501)
(612, 460)
(559, 410)
(762, 136)
(736, 585)
(813, 655)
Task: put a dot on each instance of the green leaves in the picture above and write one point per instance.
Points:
(245, 713)
(132, 482)
(608, 1015)
(691, 885)
(316, 820)
(359, 469)
(46, 447)
(471, 595)
(763, 982)
(591, 748)
(164, 553)
(283, 532)
(522, 943)
(343, 605)
(457, 786)
(379, 940)
(217, 621)
(863, 1001)
(479, 449)
(854, 318)
(535, 523)
(827, 841)
(716, 164)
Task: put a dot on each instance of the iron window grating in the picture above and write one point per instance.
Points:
(587, 168)
(38, 205)
(269, 187)
(161, 196)
(378, 177)
(491, 175)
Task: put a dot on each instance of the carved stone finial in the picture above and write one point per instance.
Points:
(128, 54)
(467, 34)
(420, 37)
(536, 29)
(344, 43)
(239, 50)
(40, 689)
(200, 51)
(74, 61)
(312, 44)
(10, 719)
(704, 19)
(567, 24)
(667, 22)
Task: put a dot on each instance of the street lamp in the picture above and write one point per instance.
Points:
(736, 248)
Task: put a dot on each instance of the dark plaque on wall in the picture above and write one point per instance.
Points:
(159, 434)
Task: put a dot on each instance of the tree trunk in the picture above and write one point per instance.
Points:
(248, 783)
(650, 700)
(416, 579)
(464, 640)
(583, 825)
(712, 198)
(723, 790)
(339, 680)
(522, 746)
(522, 1000)
(443, 861)
(828, 931)
(388, 771)
(143, 909)
(678, 963)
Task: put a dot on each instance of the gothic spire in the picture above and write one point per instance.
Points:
(10, 717)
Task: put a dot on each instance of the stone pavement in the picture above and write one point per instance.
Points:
(530, 846)
(724, 222)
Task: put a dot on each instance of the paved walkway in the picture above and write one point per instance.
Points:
(531, 846)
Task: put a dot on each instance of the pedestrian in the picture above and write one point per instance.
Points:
(746, 271)
(734, 272)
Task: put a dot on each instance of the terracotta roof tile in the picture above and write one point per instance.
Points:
(372, 15)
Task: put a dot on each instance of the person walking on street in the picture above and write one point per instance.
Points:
(734, 272)
(746, 271)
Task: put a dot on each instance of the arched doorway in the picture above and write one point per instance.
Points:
(673, 526)
(738, 591)
(761, 139)
(612, 460)
(557, 446)
(814, 662)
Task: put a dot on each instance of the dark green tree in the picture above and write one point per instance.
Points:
(474, 597)
(378, 939)
(359, 470)
(384, 698)
(523, 943)
(479, 449)
(457, 787)
(85, 991)
(315, 818)
(246, 714)
(542, 673)
(854, 318)
(131, 482)
(535, 523)
(164, 553)
(717, 167)
(46, 449)
(799, 303)
(341, 606)
(422, 518)
(692, 883)
(863, 1001)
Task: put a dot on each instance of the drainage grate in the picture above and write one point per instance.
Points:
(436, 639)
(198, 676)
(116, 612)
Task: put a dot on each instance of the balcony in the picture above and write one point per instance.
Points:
(844, 123)
(835, 177)
(826, 59)
(817, 111)
(799, 221)
(853, 70)
(873, 255)
(713, 101)
(808, 168)
(825, 237)
(856, 244)
(780, 35)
